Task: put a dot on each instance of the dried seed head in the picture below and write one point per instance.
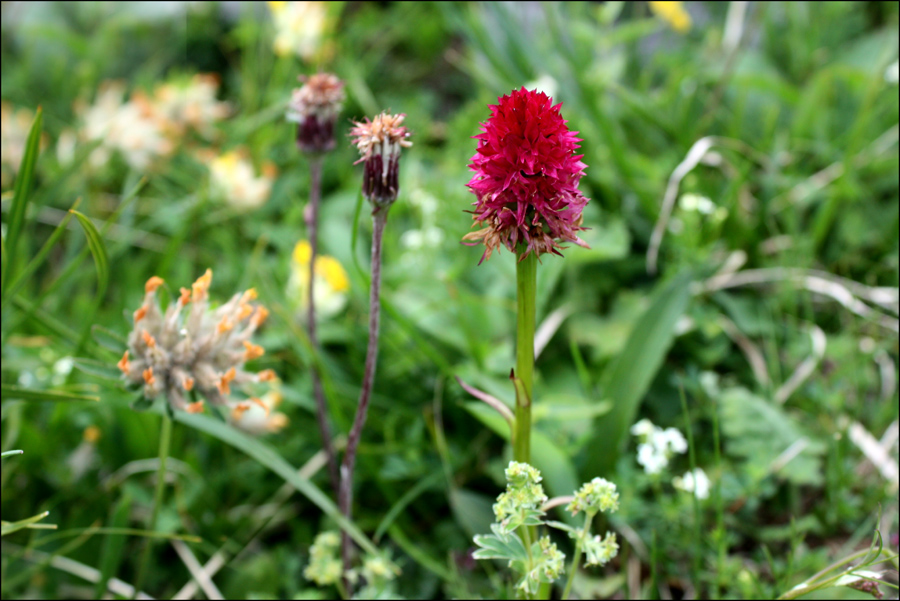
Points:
(379, 142)
(200, 349)
(314, 108)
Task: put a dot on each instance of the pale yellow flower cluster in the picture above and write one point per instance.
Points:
(299, 27)
(234, 181)
(143, 128)
(331, 285)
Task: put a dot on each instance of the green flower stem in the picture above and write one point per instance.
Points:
(526, 277)
(576, 558)
(165, 438)
(312, 227)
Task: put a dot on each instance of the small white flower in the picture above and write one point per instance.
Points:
(671, 439)
(696, 482)
(657, 445)
(651, 458)
(892, 73)
(643, 428)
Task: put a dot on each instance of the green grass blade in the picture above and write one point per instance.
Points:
(266, 456)
(47, 321)
(626, 381)
(10, 527)
(8, 392)
(11, 453)
(24, 183)
(95, 243)
(39, 258)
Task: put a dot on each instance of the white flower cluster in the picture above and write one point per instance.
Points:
(695, 481)
(657, 445)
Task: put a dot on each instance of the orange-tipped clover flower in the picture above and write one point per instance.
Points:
(379, 142)
(195, 349)
(526, 177)
(314, 107)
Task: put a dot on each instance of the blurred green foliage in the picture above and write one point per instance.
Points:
(802, 174)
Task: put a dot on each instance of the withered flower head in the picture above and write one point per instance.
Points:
(379, 142)
(201, 349)
(315, 107)
(526, 177)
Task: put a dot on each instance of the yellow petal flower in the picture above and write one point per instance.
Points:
(673, 13)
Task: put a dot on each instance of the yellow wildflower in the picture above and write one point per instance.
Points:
(673, 13)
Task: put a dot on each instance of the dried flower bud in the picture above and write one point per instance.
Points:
(526, 177)
(314, 108)
(379, 142)
(198, 349)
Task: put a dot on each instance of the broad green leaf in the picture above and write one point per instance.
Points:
(629, 376)
(8, 392)
(98, 250)
(24, 183)
(268, 457)
(10, 527)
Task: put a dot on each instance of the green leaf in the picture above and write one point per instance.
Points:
(108, 339)
(760, 432)
(101, 369)
(10, 527)
(267, 456)
(472, 511)
(629, 376)
(39, 258)
(8, 392)
(98, 250)
(24, 183)
(499, 547)
(47, 321)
